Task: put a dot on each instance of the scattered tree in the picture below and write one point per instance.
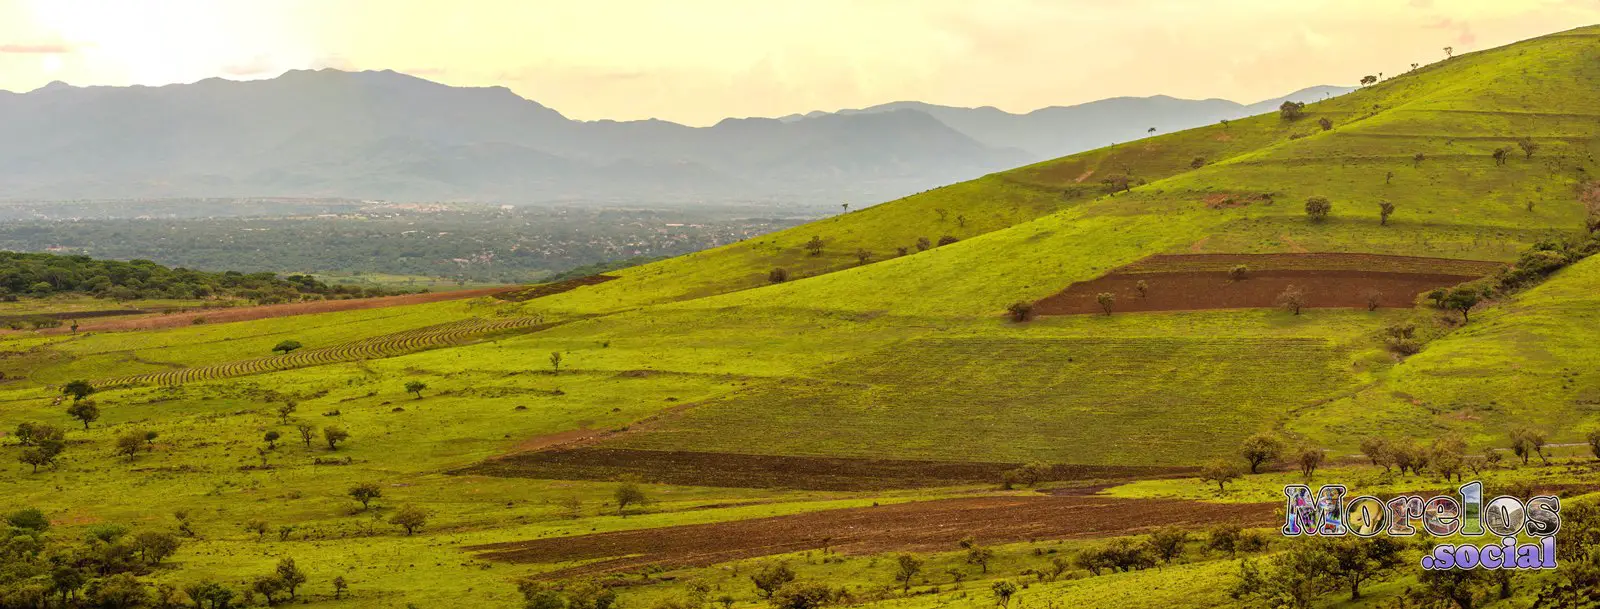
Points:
(1368, 80)
(863, 256)
(1239, 272)
(77, 390)
(1003, 590)
(1020, 311)
(155, 546)
(1168, 543)
(1151, 131)
(1463, 299)
(771, 577)
(1220, 472)
(814, 246)
(1198, 162)
(961, 221)
(1259, 449)
(1357, 560)
(416, 387)
(923, 244)
(1291, 110)
(272, 439)
(365, 492)
(1374, 299)
(1292, 299)
(1528, 147)
(1310, 458)
(628, 494)
(907, 568)
(286, 346)
(306, 433)
(1500, 155)
(1527, 442)
(1377, 450)
(1449, 52)
(1417, 159)
(1318, 208)
(292, 576)
(128, 444)
(1327, 125)
(1594, 443)
(1106, 300)
(977, 555)
(410, 518)
(288, 408)
(340, 586)
(777, 276)
(1385, 209)
(333, 435)
(942, 213)
(84, 411)
(259, 527)
(1143, 288)
(947, 240)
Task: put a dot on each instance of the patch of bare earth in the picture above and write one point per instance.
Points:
(774, 471)
(1205, 281)
(917, 527)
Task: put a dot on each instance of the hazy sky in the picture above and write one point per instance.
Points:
(696, 61)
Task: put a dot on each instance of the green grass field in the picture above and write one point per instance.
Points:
(898, 357)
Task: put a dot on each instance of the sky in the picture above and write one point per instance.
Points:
(698, 61)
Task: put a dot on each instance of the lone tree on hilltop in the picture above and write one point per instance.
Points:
(416, 387)
(1107, 300)
(555, 362)
(814, 245)
(1291, 110)
(1325, 123)
(286, 346)
(1318, 208)
(1368, 79)
(77, 390)
(365, 493)
(1151, 131)
(1220, 472)
(1463, 299)
(1292, 299)
(1260, 448)
(1020, 311)
(777, 276)
(1449, 52)
(1528, 147)
(846, 207)
(86, 412)
(1385, 209)
(333, 435)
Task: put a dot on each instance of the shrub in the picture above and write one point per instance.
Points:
(1291, 110)
(1107, 300)
(1292, 299)
(1239, 273)
(1327, 125)
(1318, 208)
(947, 240)
(1020, 311)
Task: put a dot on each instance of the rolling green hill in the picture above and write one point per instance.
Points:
(867, 362)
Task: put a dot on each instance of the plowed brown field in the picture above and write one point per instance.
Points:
(771, 471)
(917, 526)
(1196, 282)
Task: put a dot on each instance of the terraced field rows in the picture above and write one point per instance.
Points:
(385, 345)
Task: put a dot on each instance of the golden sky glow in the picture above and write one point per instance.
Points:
(696, 61)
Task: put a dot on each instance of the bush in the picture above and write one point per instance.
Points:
(1318, 208)
(1239, 273)
(947, 240)
(1020, 311)
(778, 276)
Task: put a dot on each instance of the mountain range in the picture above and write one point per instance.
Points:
(387, 135)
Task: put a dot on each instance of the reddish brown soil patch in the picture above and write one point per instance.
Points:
(232, 314)
(918, 527)
(771, 471)
(551, 289)
(1196, 282)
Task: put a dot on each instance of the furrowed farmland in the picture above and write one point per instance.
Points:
(1083, 382)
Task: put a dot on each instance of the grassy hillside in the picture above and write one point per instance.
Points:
(854, 368)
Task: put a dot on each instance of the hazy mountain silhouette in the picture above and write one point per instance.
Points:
(394, 136)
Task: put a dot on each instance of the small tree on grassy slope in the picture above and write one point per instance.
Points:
(1318, 208)
(416, 387)
(1463, 299)
(77, 390)
(286, 346)
(907, 567)
(628, 494)
(555, 362)
(333, 435)
(365, 493)
(86, 412)
(1220, 472)
(1259, 449)
(1385, 209)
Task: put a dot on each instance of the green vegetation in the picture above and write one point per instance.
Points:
(43, 275)
(935, 355)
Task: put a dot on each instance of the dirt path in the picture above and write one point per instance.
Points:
(918, 526)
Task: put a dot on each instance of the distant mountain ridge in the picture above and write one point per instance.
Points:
(383, 134)
(1058, 131)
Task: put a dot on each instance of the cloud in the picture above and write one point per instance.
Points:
(55, 48)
